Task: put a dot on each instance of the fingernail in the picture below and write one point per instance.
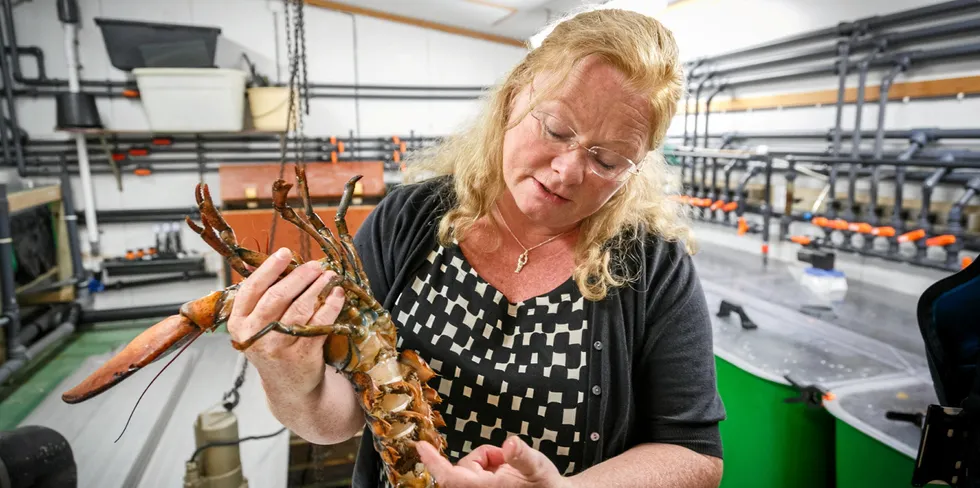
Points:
(283, 253)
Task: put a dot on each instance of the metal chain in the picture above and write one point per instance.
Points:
(233, 393)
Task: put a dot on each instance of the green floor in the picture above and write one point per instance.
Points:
(43, 376)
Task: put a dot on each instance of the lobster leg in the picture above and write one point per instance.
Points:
(279, 191)
(340, 220)
(218, 245)
(300, 331)
(314, 219)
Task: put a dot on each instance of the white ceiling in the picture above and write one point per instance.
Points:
(518, 19)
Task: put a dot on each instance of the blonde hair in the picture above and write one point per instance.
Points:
(645, 52)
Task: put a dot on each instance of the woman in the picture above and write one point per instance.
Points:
(542, 272)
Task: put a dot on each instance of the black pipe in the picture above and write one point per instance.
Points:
(14, 50)
(916, 56)
(842, 68)
(694, 140)
(947, 162)
(8, 92)
(707, 113)
(185, 276)
(886, 83)
(715, 191)
(787, 219)
(767, 211)
(849, 213)
(753, 171)
(933, 132)
(129, 313)
(71, 225)
(893, 39)
(729, 196)
(924, 224)
(49, 320)
(954, 224)
(8, 286)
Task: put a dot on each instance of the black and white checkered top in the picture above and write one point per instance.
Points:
(504, 368)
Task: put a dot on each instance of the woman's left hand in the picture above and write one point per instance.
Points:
(515, 465)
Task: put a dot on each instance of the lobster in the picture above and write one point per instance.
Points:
(390, 385)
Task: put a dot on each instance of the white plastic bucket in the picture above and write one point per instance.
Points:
(192, 99)
(270, 107)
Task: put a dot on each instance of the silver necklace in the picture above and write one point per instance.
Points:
(522, 259)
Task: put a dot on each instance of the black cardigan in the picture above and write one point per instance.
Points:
(651, 355)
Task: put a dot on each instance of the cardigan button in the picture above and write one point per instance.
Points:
(596, 390)
(597, 346)
(594, 436)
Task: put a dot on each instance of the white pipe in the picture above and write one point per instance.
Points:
(88, 192)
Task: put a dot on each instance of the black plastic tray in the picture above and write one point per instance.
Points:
(134, 44)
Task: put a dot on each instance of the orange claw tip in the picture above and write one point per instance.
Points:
(152, 344)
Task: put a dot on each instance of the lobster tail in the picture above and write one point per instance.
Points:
(152, 344)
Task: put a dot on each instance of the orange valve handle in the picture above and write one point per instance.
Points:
(801, 240)
(821, 222)
(912, 236)
(340, 146)
(883, 231)
(730, 207)
(131, 93)
(941, 241)
(333, 157)
(966, 261)
(402, 147)
(860, 228)
(718, 204)
(743, 227)
(333, 140)
(142, 171)
(396, 140)
(838, 224)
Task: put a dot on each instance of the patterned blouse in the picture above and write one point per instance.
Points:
(504, 368)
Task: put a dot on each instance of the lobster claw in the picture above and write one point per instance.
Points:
(152, 344)
(161, 339)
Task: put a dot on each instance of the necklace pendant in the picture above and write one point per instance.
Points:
(521, 261)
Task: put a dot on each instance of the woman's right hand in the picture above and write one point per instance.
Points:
(288, 366)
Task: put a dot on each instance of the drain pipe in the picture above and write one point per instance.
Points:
(71, 223)
(694, 141)
(69, 16)
(8, 92)
(849, 214)
(843, 63)
(954, 226)
(879, 147)
(704, 161)
(66, 329)
(927, 188)
(871, 216)
(11, 310)
(918, 141)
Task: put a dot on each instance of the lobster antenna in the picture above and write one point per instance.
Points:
(154, 379)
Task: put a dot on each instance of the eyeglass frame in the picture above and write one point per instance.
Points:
(632, 169)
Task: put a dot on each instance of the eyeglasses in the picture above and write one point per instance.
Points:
(603, 162)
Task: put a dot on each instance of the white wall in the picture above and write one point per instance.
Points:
(386, 54)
